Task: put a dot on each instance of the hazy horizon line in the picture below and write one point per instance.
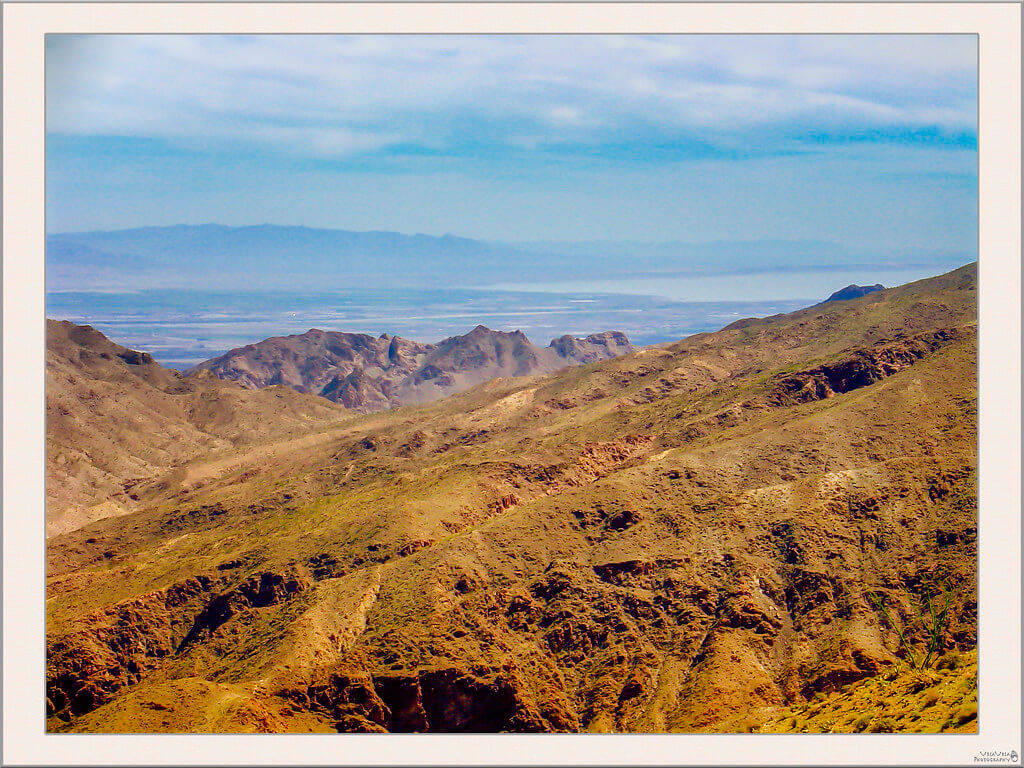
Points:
(488, 241)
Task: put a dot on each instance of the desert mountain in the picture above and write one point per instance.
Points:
(116, 420)
(685, 538)
(368, 374)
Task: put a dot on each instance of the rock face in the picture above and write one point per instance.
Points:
(854, 292)
(694, 537)
(368, 374)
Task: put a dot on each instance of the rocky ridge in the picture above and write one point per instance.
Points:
(367, 374)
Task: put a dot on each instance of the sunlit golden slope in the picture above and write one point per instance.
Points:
(667, 541)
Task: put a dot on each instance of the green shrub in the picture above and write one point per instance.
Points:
(931, 620)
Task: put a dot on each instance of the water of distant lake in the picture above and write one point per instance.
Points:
(183, 327)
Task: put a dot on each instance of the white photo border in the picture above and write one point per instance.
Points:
(998, 26)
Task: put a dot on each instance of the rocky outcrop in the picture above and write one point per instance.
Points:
(443, 700)
(595, 347)
(117, 647)
(861, 369)
(258, 592)
(854, 292)
(114, 648)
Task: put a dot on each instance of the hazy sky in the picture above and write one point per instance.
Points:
(870, 141)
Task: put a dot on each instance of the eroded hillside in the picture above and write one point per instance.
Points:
(666, 541)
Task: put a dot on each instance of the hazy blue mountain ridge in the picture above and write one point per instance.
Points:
(265, 256)
(271, 256)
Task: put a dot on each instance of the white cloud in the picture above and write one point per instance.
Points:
(339, 95)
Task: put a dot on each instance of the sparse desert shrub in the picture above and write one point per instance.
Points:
(932, 617)
(920, 681)
(930, 698)
(861, 722)
(967, 712)
(885, 725)
(950, 660)
(748, 725)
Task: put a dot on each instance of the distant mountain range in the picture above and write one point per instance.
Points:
(265, 256)
(288, 257)
(366, 373)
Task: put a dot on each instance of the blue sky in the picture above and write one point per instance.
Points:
(870, 141)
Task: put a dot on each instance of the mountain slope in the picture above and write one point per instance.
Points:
(665, 541)
(116, 419)
(368, 374)
(901, 700)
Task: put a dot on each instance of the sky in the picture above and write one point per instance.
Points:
(865, 140)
